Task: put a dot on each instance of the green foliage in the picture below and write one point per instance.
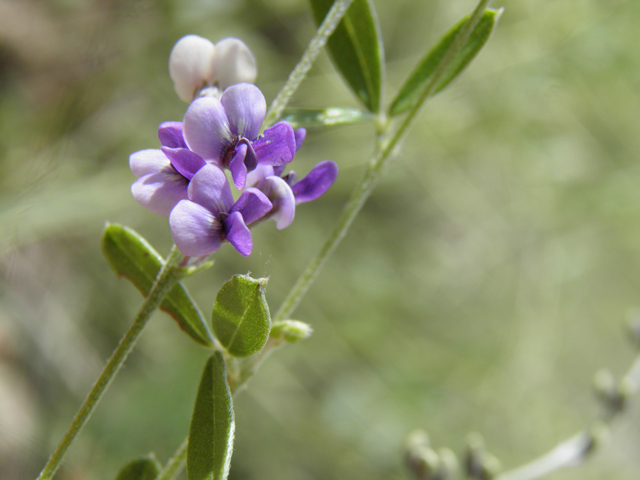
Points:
(144, 468)
(132, 257)
(212, 425)
(419, 79)
(356, 49)
(240, 318)
(323, 117)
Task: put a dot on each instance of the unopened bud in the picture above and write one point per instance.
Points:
(490, 467)
(200, 68)
(234, 63)
(448, 464)
(479, 464)
(191, 65)
(474, 455)
(290, 331)
(612, 395)
(424, 464)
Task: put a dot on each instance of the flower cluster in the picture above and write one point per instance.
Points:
(185, 179)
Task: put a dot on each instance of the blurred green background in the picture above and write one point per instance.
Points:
(486, 280)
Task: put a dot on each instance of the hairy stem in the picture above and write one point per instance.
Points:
(168, 276)
(174, 466)
(314, 48)
(375, 170)
(576, 450)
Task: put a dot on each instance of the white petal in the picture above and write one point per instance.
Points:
(191, 65)
(234, 63)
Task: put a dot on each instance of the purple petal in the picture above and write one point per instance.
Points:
(250, 159)
(284, 203)
(238, 233)
(238, 168)
(195, 230)
(277, 146)
(257, 176)
(300, 135)
(160, 192)
(245, 107)
(170, 135)
(184, 161)
(149, 161)
(252, 204)
(210, 188)
(318, 181)
(206, 128)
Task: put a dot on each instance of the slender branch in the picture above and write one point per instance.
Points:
(174, 466)
(577, 449)
(168, 276)
(309, 56)
(375, 170)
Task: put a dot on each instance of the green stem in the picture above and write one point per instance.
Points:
(375, 170)
(577, 449)
(314, 48)
(177, 462)
(175, 465)
(168, 276)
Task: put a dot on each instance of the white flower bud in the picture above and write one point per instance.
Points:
(234, 63)
(191, 65)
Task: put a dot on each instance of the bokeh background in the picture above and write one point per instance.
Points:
(489, 276)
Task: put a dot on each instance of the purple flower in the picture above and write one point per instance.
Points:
(200, 224)
(163, 175)
(286, 192)
(225, 132)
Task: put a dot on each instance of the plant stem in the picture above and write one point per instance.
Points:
(175, 465)
(318, 41)
(576, 450)
(168, 276)
(375, 170)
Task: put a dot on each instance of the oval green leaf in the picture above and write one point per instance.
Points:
(212, 425)
(415, 84)
(240, 318)
(143, 468)
(356, 49)
(323, 117)
(132, 257)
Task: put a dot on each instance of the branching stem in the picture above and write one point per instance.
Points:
(168, 276)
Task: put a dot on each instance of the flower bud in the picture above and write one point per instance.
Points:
(612, 395)
(191, 65)
(290, 331)
(196, 65)
(448, 464)
(234, 63)
(479, 464)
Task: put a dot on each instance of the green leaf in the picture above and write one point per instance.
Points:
(143, 468)
(413, 87)
(240, 316)
(356, 49)
(212, 425)
(323, 117)
(133, 258)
